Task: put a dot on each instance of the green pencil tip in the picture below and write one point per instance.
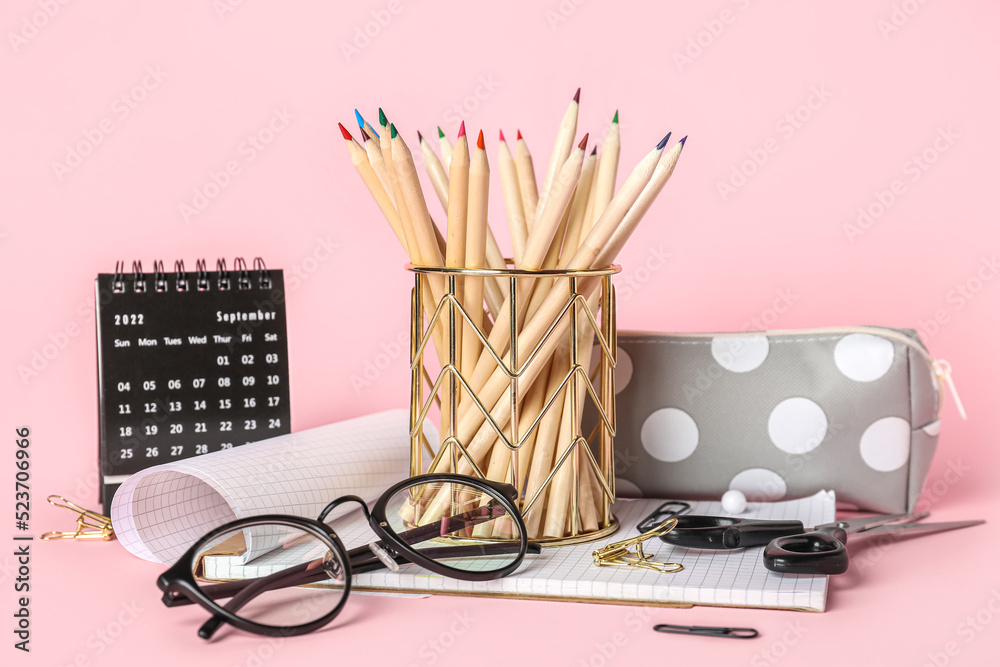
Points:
(440, 133)
(383, 121)
(615, 119)
(392, 128)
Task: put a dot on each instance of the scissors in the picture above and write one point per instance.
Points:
(791, 547)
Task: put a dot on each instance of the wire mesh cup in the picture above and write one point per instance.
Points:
(509, 386)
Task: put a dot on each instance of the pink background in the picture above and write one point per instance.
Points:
(888, 91)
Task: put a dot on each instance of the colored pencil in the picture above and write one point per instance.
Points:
(526, 180)
(475, 247)
(446, 148)
(512, 201)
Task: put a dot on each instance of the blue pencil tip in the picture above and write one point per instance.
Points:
(663, 142)
(683, 140)
(361, 122)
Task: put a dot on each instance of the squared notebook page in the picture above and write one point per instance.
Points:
(159, 512)
(734, 578)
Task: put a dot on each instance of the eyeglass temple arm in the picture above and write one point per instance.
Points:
(299, 575)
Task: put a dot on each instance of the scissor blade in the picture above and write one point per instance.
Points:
(920, 528)
(866, 523)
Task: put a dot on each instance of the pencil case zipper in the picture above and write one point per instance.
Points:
(941, 368)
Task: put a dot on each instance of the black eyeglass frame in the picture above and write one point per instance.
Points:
(180, 587)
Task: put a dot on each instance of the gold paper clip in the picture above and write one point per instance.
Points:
(89, 524)
(617, 553)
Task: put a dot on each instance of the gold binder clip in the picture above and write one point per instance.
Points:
(89, 524)
(618, 553)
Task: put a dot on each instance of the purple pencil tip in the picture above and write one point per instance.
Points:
(683, 140)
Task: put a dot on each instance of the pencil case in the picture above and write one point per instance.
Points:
(778, 414)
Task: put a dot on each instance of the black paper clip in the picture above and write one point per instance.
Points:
(707, 631)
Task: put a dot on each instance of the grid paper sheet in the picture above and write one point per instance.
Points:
(729, 578)
(161, 511)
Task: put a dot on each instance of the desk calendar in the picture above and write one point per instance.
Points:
(188, 363)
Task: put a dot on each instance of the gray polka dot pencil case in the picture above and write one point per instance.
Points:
(777, 414)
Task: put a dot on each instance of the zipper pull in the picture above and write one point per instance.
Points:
(943, 370)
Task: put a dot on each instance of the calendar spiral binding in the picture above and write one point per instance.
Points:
(240, 276)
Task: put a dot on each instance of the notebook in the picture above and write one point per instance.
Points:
(188, 363)
(160, 512)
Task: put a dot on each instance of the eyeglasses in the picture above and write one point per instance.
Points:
(285, 575)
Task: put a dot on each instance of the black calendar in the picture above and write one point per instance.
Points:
(189, 362)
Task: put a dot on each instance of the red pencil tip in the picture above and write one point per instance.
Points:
(576, 98)
(583, 143)
(461, 130)
(480, 144)
(364, 135)
(501, 137)
(519, 135)
(343, 131)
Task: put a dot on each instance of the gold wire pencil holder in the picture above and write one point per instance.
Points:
(586, 330)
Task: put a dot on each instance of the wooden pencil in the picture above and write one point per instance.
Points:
(364, 125)
(446, 148)
(608, 171)
(496, 288)
(359, 158)
(381, 169)
(526, 180)
(512, 201)
(456, 202)
(475, 248)
(564, 142)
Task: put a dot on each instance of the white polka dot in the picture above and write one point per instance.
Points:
(626, 489)
(740, 354)
(669, 435)
(863, 357)
(760, 485)
(797, 425)
(623, 366)
(885, 445)
(934, 428)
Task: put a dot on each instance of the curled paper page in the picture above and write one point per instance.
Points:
(160, 512)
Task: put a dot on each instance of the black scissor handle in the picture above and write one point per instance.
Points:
(720, 532)
(809, 553)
